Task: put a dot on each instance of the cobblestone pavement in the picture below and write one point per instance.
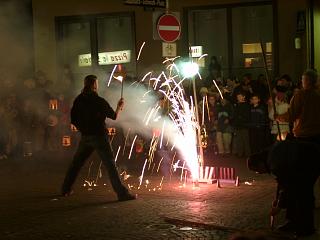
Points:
(32, 209)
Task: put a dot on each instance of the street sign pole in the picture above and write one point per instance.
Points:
(167, 6)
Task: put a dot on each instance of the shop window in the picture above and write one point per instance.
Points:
(208, 28)
(250, 25)
(116, 43)
(93, 44)
(75, 47)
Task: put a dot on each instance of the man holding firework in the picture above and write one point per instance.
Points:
(88, 114)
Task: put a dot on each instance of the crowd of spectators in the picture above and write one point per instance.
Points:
(34, 117)
(239, 115)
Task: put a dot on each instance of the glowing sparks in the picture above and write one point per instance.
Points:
(170, 59)
(134, 140)
(140, 50)
(186, 138)
(125, 176)
(159, 164)
(218, 88)
(111, 75)
(145, 76)
(150, 115)
(203, 102)
(164, 122)
(142, 173)
(177, 125)
(207, 104)
(161, 181)
(117, 154)
(202, 56)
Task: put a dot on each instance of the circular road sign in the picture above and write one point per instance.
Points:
(169, 28)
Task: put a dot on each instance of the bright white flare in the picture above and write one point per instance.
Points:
(189, 69)
(183, 131)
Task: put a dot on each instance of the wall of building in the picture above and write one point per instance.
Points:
(16, 39)
(316, 35)
(291, 61)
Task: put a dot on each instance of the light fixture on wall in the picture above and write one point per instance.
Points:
(297, 43)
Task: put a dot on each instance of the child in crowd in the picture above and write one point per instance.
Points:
(282, 107)
(241, 145)
(224, 112)
(207, 116)
(211, 126)
(259, 124)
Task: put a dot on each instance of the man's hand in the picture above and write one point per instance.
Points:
(275, 209)
(120, 104)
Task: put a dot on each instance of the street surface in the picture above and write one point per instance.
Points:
(31, 207)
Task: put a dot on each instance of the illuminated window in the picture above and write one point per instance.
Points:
(255, 48)
(233, 34)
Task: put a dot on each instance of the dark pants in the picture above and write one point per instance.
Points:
(303, 210)
(313, 139)
(300, 204)
(258, 139)
(86, 146)
(241, 142)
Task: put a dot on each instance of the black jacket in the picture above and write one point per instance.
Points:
(259, 116)
(241, 115)
(294, 161)
(89, 112)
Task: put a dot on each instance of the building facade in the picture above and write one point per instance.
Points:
(82, 35)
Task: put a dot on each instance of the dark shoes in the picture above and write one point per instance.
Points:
(67, 193)
(289, 227)
(126, 197)
(305, 232)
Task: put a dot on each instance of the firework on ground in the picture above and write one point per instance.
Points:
(176, 130)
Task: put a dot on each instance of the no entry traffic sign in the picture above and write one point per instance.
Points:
(169, 28)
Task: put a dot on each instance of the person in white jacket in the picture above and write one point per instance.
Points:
(282, 107)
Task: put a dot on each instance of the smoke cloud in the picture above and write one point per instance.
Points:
(16, 39)
(139, 101)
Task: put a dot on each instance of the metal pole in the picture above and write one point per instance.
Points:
(198, 121)
(122, 87)
(167, 6)
(269, 87)
(197, 114)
